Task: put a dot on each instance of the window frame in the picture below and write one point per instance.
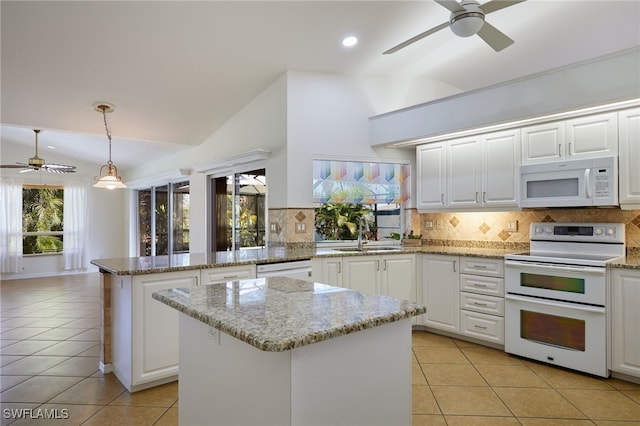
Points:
(59, 233)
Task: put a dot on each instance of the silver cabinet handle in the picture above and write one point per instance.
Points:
(339, 268)
(384, 263)
(442, 199)
(377, 265)
(454, 265)
(480, 327)
(484, 196)
(559, 150)
(476, 196)
(196, 279)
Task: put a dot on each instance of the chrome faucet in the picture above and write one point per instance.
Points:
(366, 223)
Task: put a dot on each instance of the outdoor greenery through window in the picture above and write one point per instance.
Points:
(239, 210)
(163, 219)
(42, 219)
(348, 195)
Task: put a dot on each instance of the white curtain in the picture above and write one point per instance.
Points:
(11, 225)
(75, 234)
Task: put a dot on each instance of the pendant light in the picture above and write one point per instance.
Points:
(108, 176)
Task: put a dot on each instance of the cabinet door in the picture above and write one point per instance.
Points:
(592, 136)
(440, 292)
(155, 326)
(327, 270)
(430, 182)
(543, 143)
(625, 317)
(500, 169)
(361, 273)
(629, 122)
(464, 173)
(398, 277)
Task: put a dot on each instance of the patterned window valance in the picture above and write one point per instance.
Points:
(360, 182)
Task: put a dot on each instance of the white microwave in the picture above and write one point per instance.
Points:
(574, 183)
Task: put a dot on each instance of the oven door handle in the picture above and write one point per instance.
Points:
(546, 302)
(566, 268)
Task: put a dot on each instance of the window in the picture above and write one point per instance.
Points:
(238, 210)
(42, 219)
(163, 219)
(346, 191)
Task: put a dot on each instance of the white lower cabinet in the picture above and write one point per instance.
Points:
(327, 270)
(440, 292)
(482, 298)
(464, 295)
(144, 332)
(391, 275)
(625, 320)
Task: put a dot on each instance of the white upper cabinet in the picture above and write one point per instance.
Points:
(500, 168)
(431, 178)
(464, 174)
(582, 137)
(469, 173)
(629, 159)
(543, 143)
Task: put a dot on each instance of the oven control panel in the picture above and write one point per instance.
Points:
(602, 232)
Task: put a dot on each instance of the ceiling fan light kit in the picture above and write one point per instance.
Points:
(467, 19)
(108, 176)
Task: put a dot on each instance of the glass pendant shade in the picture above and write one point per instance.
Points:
(110, 180)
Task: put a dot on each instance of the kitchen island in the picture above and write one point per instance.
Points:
(285, 351)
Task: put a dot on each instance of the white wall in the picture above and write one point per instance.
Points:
(106, 211)
(328, 117)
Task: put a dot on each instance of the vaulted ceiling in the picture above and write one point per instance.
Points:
(177, 70)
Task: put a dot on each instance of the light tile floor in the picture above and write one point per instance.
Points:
(49, 363)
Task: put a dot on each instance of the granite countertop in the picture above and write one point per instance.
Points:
(183, 262)
(278, 313)
(629, 262)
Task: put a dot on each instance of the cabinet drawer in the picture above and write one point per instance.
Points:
(482, 266)
(227, 273)
(481, 303)
(482, 326)
(482, 285)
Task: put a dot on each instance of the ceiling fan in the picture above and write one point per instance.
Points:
(467, 19)
(37, 163)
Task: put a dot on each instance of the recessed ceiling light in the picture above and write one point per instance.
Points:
(349, 41)
(51, 147)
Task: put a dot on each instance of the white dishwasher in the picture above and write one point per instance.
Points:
(300, 269)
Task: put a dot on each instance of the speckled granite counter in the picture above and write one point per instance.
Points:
(278, 313)
(185, 262)
(629, 262)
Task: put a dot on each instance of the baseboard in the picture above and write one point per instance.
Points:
(106, 368)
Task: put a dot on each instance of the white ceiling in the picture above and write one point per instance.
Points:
(177, 70)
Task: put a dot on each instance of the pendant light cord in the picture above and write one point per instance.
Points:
(106, 127)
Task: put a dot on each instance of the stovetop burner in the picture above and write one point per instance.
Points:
(585, 244)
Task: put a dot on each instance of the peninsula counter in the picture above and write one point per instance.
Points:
(285, 351)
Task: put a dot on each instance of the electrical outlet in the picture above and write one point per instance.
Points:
(301, 228)
(428, 224)
(512, 226)
(439, 224)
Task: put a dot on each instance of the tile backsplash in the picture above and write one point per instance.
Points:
(511, 229)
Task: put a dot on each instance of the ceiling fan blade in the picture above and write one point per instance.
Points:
(452, 5)
(13, 166)
(59, 168)
(416, 38)
(495, 5)
(494, 37)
